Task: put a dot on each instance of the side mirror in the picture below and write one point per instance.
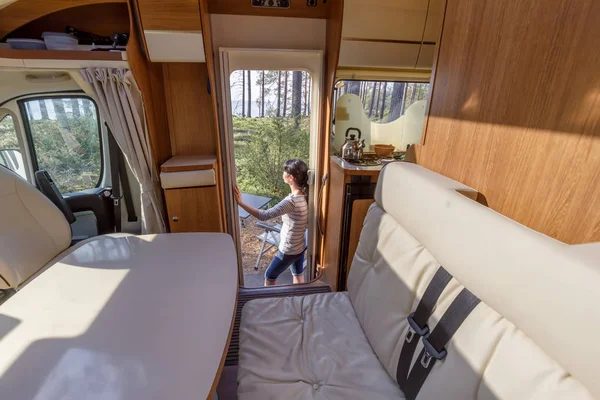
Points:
(13, 160)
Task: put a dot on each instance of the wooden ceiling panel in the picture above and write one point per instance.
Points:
(402, 20)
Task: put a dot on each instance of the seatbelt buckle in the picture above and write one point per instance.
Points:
(431, 352)
(415, 329)
(116, 200)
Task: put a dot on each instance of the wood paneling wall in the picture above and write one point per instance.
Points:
(515, 110)
(190, 109)
(184, 112)
(149, 77)
(100, 19)
(22, 12)
(214, 106)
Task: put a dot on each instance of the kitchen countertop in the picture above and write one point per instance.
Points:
(345, 165)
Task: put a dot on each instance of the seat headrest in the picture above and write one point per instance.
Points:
(548, 289)
(33, 230)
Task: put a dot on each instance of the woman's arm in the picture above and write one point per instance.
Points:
(285, 206)
(238, 197)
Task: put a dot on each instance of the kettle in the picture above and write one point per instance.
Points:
(352, 149)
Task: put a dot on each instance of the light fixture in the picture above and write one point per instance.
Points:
(271, 3)
(47, 77)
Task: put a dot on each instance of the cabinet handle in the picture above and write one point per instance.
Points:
(175, 219)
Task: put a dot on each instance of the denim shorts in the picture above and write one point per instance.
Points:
(281, 262)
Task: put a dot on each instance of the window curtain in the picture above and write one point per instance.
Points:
(120, 103)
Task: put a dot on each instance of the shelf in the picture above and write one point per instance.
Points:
(189, 163)
(62, 55)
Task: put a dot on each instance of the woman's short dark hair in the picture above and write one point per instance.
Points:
(298, 169)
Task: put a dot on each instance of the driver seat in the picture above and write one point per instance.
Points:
(34, 231)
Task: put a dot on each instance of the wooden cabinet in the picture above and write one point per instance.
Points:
(172, 15)
(193, 209)
(192, 194)
(355, 223)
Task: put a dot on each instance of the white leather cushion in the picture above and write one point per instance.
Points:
(309, 347)
(488, 357)
(542, 286)
(33, 230)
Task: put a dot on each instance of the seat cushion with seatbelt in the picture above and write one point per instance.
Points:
(527, 328)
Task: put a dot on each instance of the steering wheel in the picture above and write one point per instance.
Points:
(48, 188)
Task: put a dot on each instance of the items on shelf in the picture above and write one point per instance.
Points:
(71, 39)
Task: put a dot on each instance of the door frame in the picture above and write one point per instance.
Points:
(311, 61)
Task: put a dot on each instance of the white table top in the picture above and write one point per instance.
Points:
(138, 317)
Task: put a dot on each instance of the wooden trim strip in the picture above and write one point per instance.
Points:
(354, 39)
(213, 389)
(210, 64)
(423, 34)
(432, 81)
(61, 55)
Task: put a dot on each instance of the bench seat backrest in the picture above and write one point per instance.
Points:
(33, 230)
(535, 333)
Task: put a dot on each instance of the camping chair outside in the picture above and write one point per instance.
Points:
(271, 237)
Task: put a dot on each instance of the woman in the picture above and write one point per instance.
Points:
(294, 212)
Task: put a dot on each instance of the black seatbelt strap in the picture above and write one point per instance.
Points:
(435, 343)
(114, 152)
(417, 322)
(120, 180)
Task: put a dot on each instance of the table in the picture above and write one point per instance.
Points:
(134, 317)
(254, 201)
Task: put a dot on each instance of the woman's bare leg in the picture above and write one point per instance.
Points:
(298, 279)
(269, 282)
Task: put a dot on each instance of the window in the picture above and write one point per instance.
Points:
(379, 112)
(65, 140)
(384, 102)
(10, 153)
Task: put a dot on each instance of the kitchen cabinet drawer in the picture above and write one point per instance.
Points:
(193, 209)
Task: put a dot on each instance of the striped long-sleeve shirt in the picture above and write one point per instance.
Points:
(294, 212)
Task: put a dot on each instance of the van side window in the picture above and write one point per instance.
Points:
(65, 140)
(384, 102)
(10, 153)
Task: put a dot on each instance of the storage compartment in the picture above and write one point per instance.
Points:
(59, 41)
(192, 209)
(191, 193)
(26, 44)
(185, 179)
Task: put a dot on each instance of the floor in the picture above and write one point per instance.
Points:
(258, 279)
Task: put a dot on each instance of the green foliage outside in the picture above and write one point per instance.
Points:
(262, 145)
(69, 150)
(8, 136)
(68, 147)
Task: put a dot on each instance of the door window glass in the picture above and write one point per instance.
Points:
(271, 124)
(65, 136)
(10, 153)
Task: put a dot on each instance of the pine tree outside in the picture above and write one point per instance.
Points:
(384, 102)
